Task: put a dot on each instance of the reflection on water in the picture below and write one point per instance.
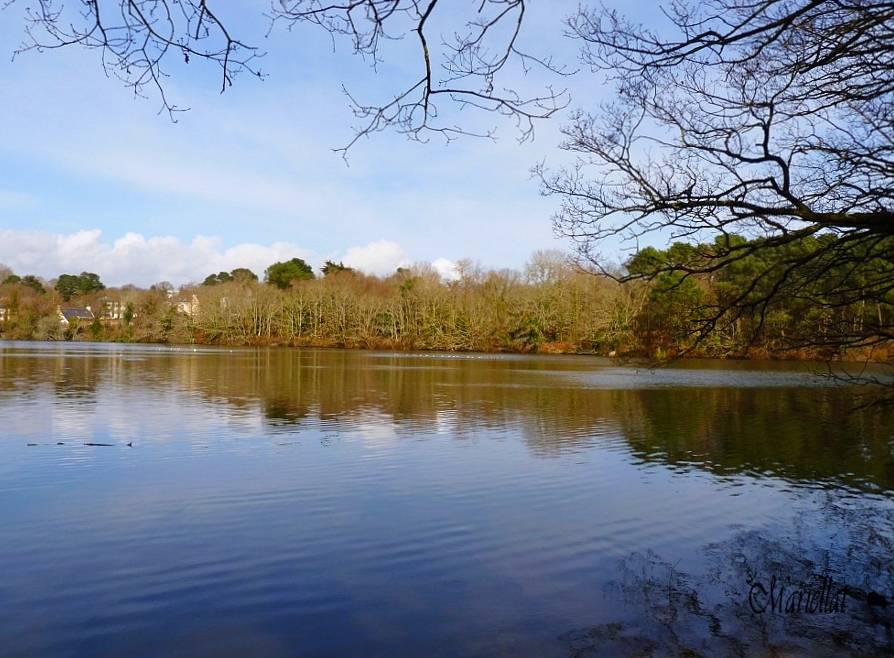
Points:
(804, 593)
(314, 502)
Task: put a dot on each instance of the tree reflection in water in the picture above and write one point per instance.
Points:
(774, 428)
(671, 613)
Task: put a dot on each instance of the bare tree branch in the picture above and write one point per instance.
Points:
(481, 52)
(137, 37)
(475, 65)
(768, 119)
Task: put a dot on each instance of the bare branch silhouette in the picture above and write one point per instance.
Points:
(769, 120)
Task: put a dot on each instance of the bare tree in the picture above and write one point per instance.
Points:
(547, 266)
(470, 67)
(139, 38)
(467, 54)
(768, 119)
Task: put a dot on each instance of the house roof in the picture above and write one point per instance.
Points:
(72, 313)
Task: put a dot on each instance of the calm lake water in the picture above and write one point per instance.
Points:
(165, 501)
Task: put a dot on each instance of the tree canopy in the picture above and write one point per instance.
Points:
(240, 275)
(214, 279)
(243, 275)
(71, 285)
(283, 273)
(331, 268)
(34, 283)
(28, 280)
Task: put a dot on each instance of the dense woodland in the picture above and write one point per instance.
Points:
(553, 306)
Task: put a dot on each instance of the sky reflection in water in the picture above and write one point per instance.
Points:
(310, 502)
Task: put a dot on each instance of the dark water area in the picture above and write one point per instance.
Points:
(165, 501)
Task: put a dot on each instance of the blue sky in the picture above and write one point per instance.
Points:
(94, 179)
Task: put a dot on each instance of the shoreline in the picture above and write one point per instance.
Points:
(859, 356)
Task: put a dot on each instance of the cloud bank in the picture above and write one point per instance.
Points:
(136, 259)
(381, 258)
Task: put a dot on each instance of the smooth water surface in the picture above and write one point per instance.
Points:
(164, 501)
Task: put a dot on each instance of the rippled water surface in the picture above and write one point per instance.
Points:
(163, 501)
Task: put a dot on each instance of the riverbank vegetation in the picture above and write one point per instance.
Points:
(552, 306)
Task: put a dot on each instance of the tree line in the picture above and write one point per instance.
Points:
(551, 306)
(652, 307)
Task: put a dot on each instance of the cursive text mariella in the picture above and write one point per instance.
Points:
(782, 597)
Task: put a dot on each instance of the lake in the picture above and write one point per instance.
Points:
(180, 501)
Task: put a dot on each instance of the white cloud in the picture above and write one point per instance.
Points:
(381, 258)
(142, 261)
(446, 268)
(134, 258)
